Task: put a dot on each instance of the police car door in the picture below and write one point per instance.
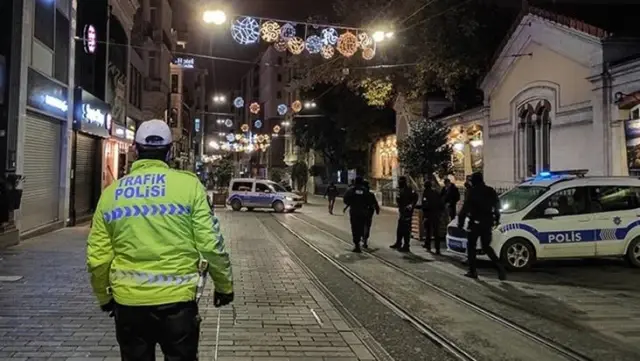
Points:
(263, 195)
(615, 210)
(571, 233)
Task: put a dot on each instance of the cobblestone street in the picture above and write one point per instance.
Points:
(50, 313)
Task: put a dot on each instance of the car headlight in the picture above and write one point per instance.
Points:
(290, 199)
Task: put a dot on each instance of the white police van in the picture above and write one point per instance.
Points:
(563, 215)
(257, 193)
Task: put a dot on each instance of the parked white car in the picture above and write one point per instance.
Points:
(561, 215)
(258, 193)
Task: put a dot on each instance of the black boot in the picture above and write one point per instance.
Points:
(357, 249)
(471, 274)
(395, 246)
(365, 244)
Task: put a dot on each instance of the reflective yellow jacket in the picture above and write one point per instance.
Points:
(149, 231)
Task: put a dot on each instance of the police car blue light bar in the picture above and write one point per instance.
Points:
(575, 172)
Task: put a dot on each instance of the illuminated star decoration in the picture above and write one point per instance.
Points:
(245, 30)
(244, 128)
(254, 108)
(238, 102)
(330, 36)
(231, 137)
(228, 123)
(296, 106)
(276, 129)
(282, 109)
(258, 124)
(314, 44)
(287, 31)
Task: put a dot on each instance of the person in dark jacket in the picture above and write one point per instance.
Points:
(374, 207)
(331, 193)
(406, 200)
(450, 197)
(482, 207)
(358, 201)
(432, 207)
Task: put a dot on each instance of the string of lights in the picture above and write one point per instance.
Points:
(454, 7)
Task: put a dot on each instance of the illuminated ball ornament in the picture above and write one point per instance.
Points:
(327, 51)
(347, 44)
(280, 45)
(276, 129)
(364, 40)
(244, 128)
(245, 30)
(330, 36)
(238, 102)
(257, 124)
(228, 123)
(287, 31)
(368, 53)
(296, 106)
(282, 109)
(230, 137)
(254, 108)
(270, 31)
(314, 44)
(295, 45)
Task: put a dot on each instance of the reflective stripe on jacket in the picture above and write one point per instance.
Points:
(149, 231)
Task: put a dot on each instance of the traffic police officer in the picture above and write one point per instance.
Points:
(374, 207)
(482, 207)
(406, 200)
(150, 230)
(358, 201)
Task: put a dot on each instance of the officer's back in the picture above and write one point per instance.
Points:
(482, 203)
(358, 198)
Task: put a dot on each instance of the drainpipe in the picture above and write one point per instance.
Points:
(606, 117)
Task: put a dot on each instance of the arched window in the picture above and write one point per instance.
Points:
(534, 138)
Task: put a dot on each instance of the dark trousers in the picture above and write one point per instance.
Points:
(358, 222)
(332, 202)
(174, 326)
(431, 224)
(403, 231)
(451, 211)
(367, 226)
(484, 233)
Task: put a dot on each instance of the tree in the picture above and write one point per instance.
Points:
(300, 175)
(425, 150)
(345, 130)
(277, 174)
(438, 45)
(224, 172)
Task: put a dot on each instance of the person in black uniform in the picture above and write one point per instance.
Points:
(374, 207)
(331, 193)
(406, 199)
(358, 201)
(432, 207)
(482, 207)
(451, 197)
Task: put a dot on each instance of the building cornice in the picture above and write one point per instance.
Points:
(124, 11)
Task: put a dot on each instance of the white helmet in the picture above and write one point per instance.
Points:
(154, 133)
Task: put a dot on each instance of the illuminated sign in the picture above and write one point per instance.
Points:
(90, 39)
(129, 134)
(197, 124)
(93, 115)
(47, 96)
(185, 63)
(57, 103)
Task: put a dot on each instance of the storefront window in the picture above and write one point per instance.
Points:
(467, 156)
(385, 158)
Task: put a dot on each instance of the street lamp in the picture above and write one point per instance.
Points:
(216, 17)
(310, 105)
(379, 36)
(219, 99)
(213, 144)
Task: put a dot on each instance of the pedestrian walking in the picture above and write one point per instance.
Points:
(482, 207)
(152, 238)
(406, 200)
(331, 193)
(432, 208)
(451, 197)
(358, 201)
(374, 207)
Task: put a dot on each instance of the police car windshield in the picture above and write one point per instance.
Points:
(277, 187)
(520, 197)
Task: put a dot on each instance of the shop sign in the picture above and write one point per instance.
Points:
(119, 132)
(185, 63)
(632, 138)
(46, 95)
(90, 39)
(91, 115)
(197, 123)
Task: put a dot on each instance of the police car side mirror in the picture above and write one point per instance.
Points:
(551, 212)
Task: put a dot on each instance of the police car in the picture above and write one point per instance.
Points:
(563, 215)
(257, 193)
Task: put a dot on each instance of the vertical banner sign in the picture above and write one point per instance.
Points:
(632, 138)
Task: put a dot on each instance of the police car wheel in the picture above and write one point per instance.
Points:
(236, 205)
(278, 206)
(633, 253)
(517, 254)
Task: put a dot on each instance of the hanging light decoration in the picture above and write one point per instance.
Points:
(228, 123)
(231, 137)
(282, 109)
(239, 136)
(257, 124)
(314, 44)
(347, 44)
(327, 51)
(280, 45)
(364, 40)
(368, 53)
(254, 108)
(295, 45)
(245, 30)
(238, 102)
(330, 36)
(296, 106)
(244, 128)
(287, 31)
(276, 129)
(270, 31)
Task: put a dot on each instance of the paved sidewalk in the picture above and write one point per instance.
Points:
(50, 313)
